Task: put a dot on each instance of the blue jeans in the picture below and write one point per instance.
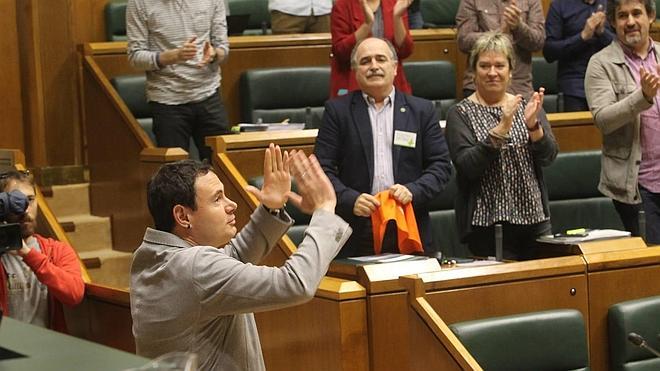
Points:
(175, 124)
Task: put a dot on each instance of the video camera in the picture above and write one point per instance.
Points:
(11, 203)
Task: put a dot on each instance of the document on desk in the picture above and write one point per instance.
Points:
(387, 258)
(592, 235)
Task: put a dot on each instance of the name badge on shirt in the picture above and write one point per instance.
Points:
(405, 138)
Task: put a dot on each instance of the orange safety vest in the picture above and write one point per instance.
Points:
(406, 224)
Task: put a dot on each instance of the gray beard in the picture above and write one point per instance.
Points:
(633, 40)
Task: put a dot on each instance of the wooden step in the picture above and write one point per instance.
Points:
(89, 232)
(108, 267)
(68, 200)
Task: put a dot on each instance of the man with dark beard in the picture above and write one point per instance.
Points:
(41, 276)
(621, 85)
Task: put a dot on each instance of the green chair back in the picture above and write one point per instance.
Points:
(539, 341)
(115, 20)
(439, 13)
(641, 316)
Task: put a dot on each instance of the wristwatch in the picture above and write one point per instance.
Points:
(273, 212)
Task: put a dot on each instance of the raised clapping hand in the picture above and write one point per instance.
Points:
(277, 181)
(209, 54)
(649, 83)
(533, 108)
(401, 7)
(511, 17)
(314, 188)
(594, 24)
(187, 51)
(368, 13)
(509, 109)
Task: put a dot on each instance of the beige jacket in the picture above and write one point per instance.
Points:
(616, 103)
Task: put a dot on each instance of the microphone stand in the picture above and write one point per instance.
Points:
(640, 342)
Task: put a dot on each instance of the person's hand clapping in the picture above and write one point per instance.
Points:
(187, 51)
(533, 108)
(368, 13)
(511, 17)
(509, 109)
(277, 181)
(210, 54)
(401, 7)
(649, 82)
(314, 188)
(593, 23)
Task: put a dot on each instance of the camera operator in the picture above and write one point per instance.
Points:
(38, 278)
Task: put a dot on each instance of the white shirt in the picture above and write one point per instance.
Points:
(382, 130)
(301, 7)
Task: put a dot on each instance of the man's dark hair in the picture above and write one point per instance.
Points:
(173, 184)
(7, 176)
(649, 6)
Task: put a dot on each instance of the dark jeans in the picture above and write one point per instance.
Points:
(517, 242)
(415, 20)
(175, 124)
(629, 214)
(575, 104)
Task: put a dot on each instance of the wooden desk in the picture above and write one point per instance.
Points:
(49, 350)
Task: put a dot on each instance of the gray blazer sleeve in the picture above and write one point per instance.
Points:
(225, 285)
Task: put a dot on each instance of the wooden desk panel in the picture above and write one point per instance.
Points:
(611, 286)
(323, 335)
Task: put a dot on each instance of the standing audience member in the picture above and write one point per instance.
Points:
(622, 90)
(194, 281)
(377, 139)
(498, 143)
(36, 280)
(575, 30)
(180, 45)
(298, 16)
(520, 20)
(356, 20)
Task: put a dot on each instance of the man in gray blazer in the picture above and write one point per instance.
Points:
(621, 85)
(194, 281)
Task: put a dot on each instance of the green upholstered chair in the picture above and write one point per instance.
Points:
(435, 81)
(641, 316)
(131, 88)
(259, 21)
(443, 222)
(537, 341)
(544, 74)
(575, 202)
(275, 94)
(115, 20)
(439, 13)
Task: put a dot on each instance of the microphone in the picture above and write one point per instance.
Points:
(639, 341)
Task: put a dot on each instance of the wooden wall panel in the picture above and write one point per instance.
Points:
(11, 115)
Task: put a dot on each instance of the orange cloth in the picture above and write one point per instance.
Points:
(406, 224)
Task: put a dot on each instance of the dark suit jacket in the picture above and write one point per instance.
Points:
(344, 147)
